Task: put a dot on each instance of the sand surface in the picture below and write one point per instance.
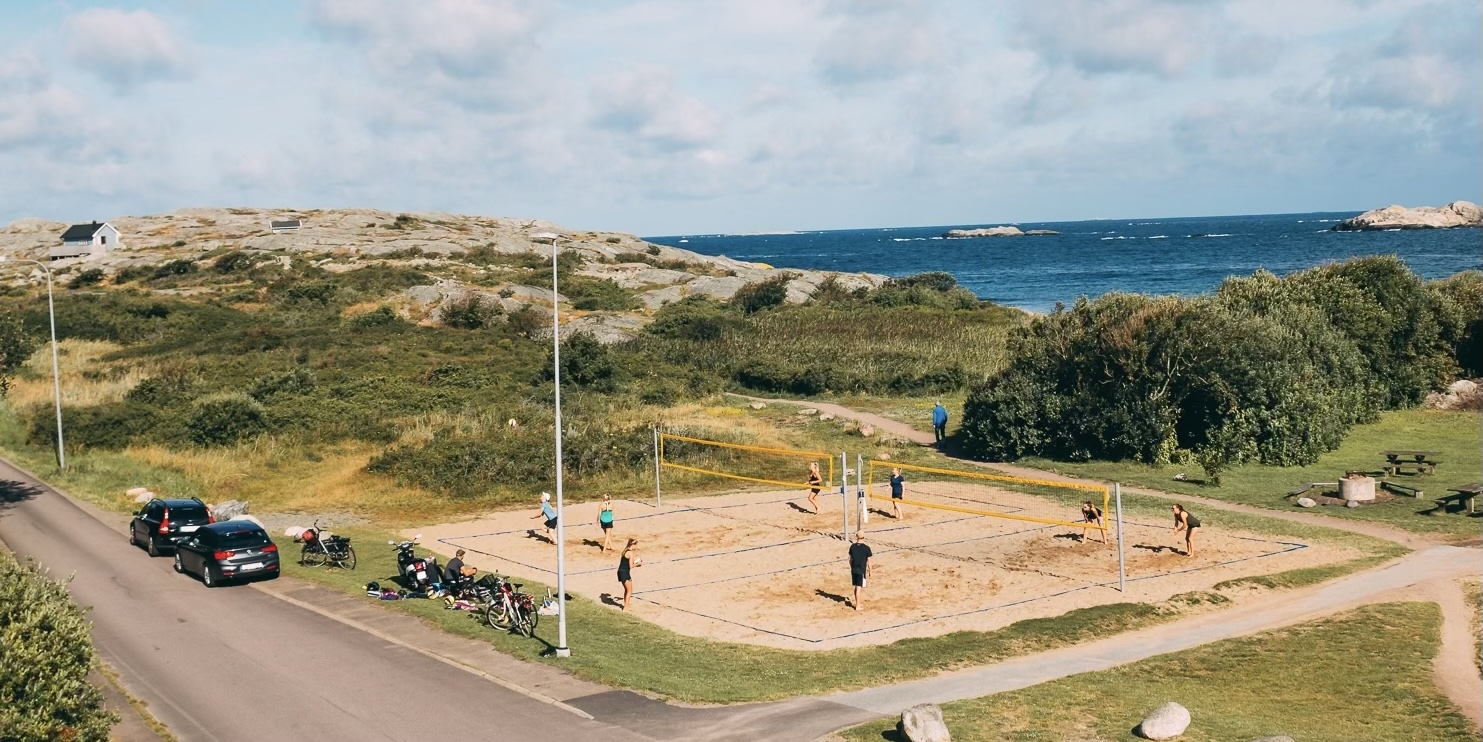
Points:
(760, 568)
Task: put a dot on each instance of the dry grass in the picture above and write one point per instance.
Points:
(87, 379)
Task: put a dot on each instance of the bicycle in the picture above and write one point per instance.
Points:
(321, 549)
(511, 609)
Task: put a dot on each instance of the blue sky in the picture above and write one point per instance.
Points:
(698, 116)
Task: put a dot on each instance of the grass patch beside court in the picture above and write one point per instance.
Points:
(1457, 435)
(1364, 675)
(1472, 592)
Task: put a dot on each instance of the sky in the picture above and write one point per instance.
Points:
(665, 117)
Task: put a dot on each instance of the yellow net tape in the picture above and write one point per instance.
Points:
(1106, 494)
(827, 458)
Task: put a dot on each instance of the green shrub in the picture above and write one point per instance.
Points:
(470, 312)
(1461, 300)
(594, 294)
(233, 262)
(380, 317)
(108, 426)
(225, 419)
(294, 382)
(46, 653)
(89, 277)
(174, 268)
(16, 345)
(132, 273)
(586, 362)
(528, 321)
(765, 294)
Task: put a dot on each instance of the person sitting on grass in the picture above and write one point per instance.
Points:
(549, 515)
(1092, 516)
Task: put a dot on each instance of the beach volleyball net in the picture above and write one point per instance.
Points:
(972, 493)
(780, 467)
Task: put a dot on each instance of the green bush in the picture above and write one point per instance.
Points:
(174, 268)
(470, 312)
(89, 277)
(16, 345)
(595, 294)
(765, 294)
(233, 262)
(586, 362)
(46, 653)
(108, 426)
(528, 321)
(1461, 301)
(225, 419)
(297, 381)
(380, 317)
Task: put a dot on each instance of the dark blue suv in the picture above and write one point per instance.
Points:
(163, 523)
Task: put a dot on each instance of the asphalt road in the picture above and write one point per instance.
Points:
(234, 664)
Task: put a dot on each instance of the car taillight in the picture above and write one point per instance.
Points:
(165, 522)
(210, 518)
(219, 555)
(270, 549)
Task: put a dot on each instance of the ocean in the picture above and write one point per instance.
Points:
(1184, 255)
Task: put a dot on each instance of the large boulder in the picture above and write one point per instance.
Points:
(1165, 722)
(1455, 214)
(923, 723)
(1307, 502)
(229, 509)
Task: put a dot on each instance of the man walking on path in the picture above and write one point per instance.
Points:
(939, 422)
(859, 565)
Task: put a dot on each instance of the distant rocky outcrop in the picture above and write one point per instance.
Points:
(1455, 214)
(468, 254)
(1010, 231)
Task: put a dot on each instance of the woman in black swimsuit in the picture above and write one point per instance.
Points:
(1092, 516)
(629, 560)
(814, 478)
(1186, 521)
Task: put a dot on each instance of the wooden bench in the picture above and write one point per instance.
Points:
(1398, 462)
(1403, 489)
(1312, 486)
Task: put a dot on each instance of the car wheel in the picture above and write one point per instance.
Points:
(133, 536)
(208, 577)
(179, 566)
(153, 547)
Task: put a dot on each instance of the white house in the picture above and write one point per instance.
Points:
(286, 225)
(86, 239)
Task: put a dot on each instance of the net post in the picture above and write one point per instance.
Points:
(1122, 569)
(844, 489)
(861, 497)
(658, 497)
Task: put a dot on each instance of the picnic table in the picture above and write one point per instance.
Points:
(1397, 462)
(1464, 498)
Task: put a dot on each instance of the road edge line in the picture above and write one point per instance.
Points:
(262, 587)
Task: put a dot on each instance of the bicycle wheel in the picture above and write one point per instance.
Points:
(525, 623)
(346, 559)
(497, 615)
(312, 556)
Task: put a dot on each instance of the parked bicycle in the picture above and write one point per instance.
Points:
(321, 548)
(508, 607)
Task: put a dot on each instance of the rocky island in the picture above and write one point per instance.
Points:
(1455, 214)
(1010, 231)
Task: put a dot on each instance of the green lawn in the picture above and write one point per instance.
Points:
(1457, 435)
(1472, 592)
(1362, 675)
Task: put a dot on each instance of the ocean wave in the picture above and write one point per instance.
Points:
(908, 239)
(684, 240)
(1159, 237)
(1121, 237)
(1208, 235)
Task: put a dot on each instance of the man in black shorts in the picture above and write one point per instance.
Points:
(859, 565)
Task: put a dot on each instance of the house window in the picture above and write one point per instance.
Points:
(104, 239)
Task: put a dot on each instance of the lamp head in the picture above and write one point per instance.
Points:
(551, 237)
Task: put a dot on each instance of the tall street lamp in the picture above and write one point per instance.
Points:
(562, 650)
(56, 375)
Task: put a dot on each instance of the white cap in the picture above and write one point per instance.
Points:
(545, 496)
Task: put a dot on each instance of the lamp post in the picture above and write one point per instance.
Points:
(562, 650)
(56, 375)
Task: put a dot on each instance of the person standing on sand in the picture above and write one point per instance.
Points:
(859, 565)
(814, 479)
(605, 520)
(898, 490)
(549, 514)
(939, 423)
(626, 564)
(1092, 516)
(1185, 521)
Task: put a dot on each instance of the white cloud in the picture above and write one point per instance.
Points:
(643, 102)
(1147, 36)
(878, 41)
(1423, 65)
(126, 48)
(33, 110)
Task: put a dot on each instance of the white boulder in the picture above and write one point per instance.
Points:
(826, 417)
(866, 430)
(1165, 722)
(136, 491)
(958, 234)
(143, 497)
(1307, 502)
(923, 723)
(808, 411)
(758, 405)
(229, 509)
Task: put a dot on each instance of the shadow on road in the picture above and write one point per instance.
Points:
(13, 492)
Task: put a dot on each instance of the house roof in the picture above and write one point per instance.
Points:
(81, 232)
(287, 224)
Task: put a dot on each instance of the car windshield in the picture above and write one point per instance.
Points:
(241, 539)
(188, 513)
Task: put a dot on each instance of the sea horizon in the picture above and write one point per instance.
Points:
(1184, 255)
